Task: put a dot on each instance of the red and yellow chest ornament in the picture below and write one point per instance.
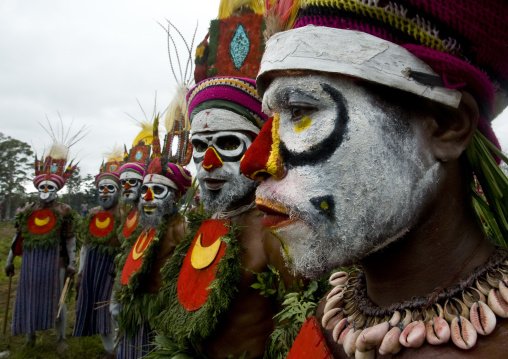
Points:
(200, 264)
(41, 221)
(131, 223)
(135, 258)
(310, 342)
(102, 224)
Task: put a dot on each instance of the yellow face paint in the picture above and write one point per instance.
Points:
(324, 205)
(274, 161)
(303, 124)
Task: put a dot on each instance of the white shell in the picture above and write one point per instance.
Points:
(463, 333)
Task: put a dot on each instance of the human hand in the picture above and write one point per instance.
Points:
(9, 270)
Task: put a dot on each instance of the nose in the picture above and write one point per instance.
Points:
(45, 190)
(262, 159)
(127, 185)
(105, 190)
(211, 160)
(148, 195)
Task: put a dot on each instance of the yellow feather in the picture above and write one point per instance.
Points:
(177, 110)
(228, 7)
(145, 134)
(114, 154)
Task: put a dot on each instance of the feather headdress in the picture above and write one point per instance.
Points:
(54, 167)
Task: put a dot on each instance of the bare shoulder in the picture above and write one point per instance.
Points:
(62, 208)
(95, 210)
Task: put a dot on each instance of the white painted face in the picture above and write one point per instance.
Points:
(108, 194)
(131, 187)
(357, 176)
(222, 186)
(47, 191)
(155, 202)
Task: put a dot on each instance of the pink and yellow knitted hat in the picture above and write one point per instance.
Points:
(234, 94)
(464, 42)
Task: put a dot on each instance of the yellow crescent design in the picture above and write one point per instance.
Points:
(202, 257)
(130, 222)
(41, 222)
(102, 225)
(135, 251)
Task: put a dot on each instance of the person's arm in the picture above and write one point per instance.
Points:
(70, 244)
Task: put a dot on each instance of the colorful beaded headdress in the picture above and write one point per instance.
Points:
(235, 42)
(238, 95)
(160, 170)
(108, 172)
(54, 166)
(134, 160)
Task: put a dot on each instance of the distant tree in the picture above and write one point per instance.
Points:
(15, 164)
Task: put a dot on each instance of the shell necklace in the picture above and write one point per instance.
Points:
(459, 313)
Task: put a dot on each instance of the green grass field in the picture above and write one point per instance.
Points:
(84, 347)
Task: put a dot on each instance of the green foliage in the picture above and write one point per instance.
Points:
(15, 164)
(493, 210)
(300, 302)
(138, 307)
(47, 240)
(101, 243)
(188, 329)
(269, 283)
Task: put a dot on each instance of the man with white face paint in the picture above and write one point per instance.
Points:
(131, 180)
(46, 240)
(96, 266)
(162, 229)
(378, 124)
(208, 279)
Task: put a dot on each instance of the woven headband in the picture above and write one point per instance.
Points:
(359, 55)
(238, 95)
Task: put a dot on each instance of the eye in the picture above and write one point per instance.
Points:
(133, 182)
(110, 187)
(158, 189)
(228, 143)
(123, 182)
(50, 188)
(144, 188)
(199, 145)
(300, 111)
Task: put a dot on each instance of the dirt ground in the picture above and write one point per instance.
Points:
(12, 347)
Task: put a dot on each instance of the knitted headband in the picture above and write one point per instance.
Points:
(59, 181)
(111, 177)
(463, 41)
(230, 93)
(132, 170)
(170, 174)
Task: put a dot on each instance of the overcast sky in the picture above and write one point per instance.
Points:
(90, 60)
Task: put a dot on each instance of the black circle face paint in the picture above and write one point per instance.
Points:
(327, 147)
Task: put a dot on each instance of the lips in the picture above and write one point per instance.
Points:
(214, 184)
(149, 209)
(276, 215)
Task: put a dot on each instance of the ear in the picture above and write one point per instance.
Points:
(452, 129)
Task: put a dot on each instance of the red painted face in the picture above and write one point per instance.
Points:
(211, 160)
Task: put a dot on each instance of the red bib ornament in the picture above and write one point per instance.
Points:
(310, 342)
(102, 224)
(41, 221)
(200, 264)
(135, 258)
(131, 223)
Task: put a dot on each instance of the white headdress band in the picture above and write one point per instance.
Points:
(352, 53)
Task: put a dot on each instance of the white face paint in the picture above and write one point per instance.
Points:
(47, 191)
(224, 186)
(108, 194)
(131, 189)
(155, 202)
(358, 175)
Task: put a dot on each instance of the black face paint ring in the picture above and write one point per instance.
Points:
(326, 148)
